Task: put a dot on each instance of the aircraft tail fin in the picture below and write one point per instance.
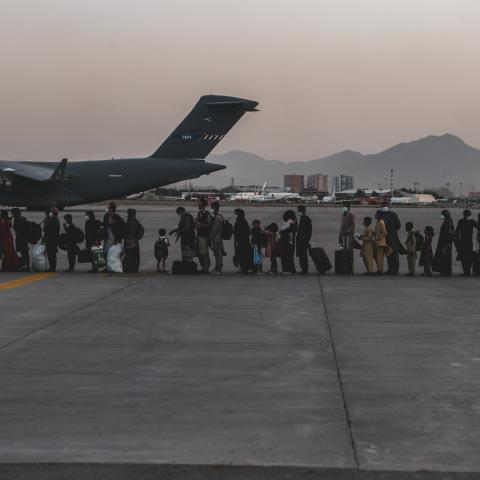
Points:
(204, 127)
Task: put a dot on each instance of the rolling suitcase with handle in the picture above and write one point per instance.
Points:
(343, 262)
(320, 259)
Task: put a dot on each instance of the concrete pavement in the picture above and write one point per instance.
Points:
(195, 377)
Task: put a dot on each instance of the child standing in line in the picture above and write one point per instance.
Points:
(161, 250)
(271, 248)
(426, 257)
(257, 242)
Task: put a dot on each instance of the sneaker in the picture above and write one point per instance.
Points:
(215, 273)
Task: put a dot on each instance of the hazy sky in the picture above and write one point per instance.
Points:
(102, 78)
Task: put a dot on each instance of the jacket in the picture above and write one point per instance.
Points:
(216, 228)
(304, 231)
(411, 242)
(367, 244)
(380, 234)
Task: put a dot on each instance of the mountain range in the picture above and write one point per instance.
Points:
(431, 161)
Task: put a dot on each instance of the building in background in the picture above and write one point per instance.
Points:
(342, 182)
(293, 183)
(317, 182)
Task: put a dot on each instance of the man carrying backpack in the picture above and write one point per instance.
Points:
(73, 236)
(216, 238)
(22, 230)
(203, 223)
(185, 231)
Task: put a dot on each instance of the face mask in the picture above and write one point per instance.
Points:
(442, 217)
(50, 215)
(87, 217)
(384, 209)
(345, 209)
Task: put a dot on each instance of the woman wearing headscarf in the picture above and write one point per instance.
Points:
(10, 260)
(241, 239)
(442, 261)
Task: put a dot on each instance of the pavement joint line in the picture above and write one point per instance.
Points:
(340, 378)
(27, 280)
(63, 317)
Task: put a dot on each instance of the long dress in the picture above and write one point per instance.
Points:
(10, 260)
(241, 237)
(442, 261)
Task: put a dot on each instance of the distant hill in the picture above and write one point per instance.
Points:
(432, 161)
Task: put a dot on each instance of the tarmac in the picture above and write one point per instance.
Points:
(258, 377)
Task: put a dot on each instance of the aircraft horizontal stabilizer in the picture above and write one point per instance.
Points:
(35, 172)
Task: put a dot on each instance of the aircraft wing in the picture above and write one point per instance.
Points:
(34, 171)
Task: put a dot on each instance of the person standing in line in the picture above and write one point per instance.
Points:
(380, 241)
(203, 224)
(21, 229)
(442, 261)
(10, 260)
(464, 241)
(51, 234)
(368, 247)
(185, 231)
(411, 244)
(71, 241)
(94, 234)
(304, 235)
(161, 250)
(287, 242)
(347, 230)
(241, 239)
(426, 256)
(113, 227)
(392, 224)
(271, 247)
(134, 232)
(216, 238)
(257, 242)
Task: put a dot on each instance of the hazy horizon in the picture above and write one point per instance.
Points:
(101, 79)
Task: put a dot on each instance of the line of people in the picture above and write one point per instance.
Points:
(252, 244)
(383, 241)
(113, 243)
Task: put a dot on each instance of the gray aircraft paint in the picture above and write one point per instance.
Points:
(37, 185)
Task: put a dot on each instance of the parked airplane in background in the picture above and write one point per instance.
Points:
(38, 185)
(135, 196)
(329, 199)
(262, 196)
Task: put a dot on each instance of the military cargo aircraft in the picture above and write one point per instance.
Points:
(39, 185)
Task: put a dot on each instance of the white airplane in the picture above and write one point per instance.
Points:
(279, 196)
(249, 196)
(135, 196)
(329, 199)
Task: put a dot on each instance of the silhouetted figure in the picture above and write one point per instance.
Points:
(241, 239)
(304, 235)
(442, 261)
(464, 241)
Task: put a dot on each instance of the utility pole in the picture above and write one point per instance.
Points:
(391, 180)
(448, 189)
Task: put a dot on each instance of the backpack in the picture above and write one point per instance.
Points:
(34, 232)
(78, 235)
(227, 230)
(161, 248)
(420, 241)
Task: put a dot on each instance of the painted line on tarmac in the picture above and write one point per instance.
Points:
(21, 282)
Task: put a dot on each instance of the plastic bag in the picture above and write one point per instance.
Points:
(114, 259)
(39, 258)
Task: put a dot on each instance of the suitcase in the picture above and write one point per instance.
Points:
(343, 262)
(184, 268)
(321, 260)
